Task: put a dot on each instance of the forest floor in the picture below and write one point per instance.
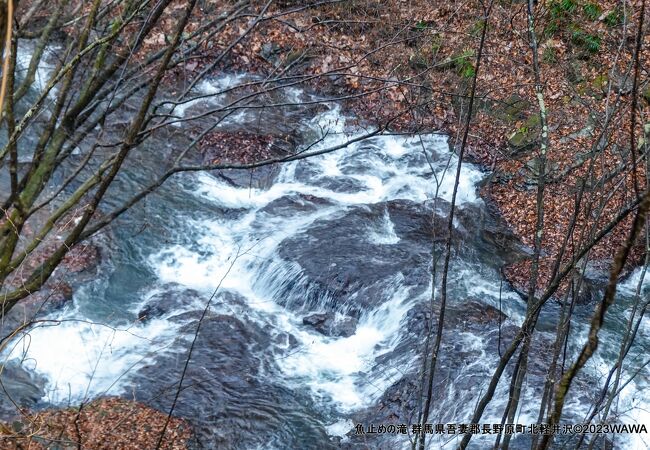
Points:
(106, 423)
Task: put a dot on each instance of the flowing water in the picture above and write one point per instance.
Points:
(348, 235)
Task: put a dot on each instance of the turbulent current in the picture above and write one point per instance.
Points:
(317, 278)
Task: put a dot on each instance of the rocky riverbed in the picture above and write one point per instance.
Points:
(313, 281)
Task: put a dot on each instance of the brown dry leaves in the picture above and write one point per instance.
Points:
(108, 423)
(237, 147)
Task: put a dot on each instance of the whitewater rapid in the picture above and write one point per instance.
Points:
(87, 355)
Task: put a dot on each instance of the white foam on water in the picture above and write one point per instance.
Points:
(331, 367)
(631, 283)
(631, 406)
(330, 123)
(222, 83)
(340, 428)
(394, 147)
(385, 234)
(490, 291)
(82, 359)
(208, 92)
(44, 70)
(228, 196)
(633, 410)
(230, 251)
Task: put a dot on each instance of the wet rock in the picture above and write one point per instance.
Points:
(346, 327)
(340, 262)
(338, 259)
(258, 178)
(21, 386)
(285, 341)
(166, 302)
(82, 257)
(416, 224)
(341, 184)
(473, 315)
(488, 233)
(591, 283)
(400, 402)
(329, 325)
(318, 320)
(589, 292)
(291, 204)
(231, 387)
(60, 296)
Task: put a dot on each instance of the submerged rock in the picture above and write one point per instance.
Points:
(166, 302)
(339, 260)
(329, 325)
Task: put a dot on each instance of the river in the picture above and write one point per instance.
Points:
(317, 274)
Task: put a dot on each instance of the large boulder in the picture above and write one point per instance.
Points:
(169, 300)
(346, 268)
(231, 387)
(339, 259)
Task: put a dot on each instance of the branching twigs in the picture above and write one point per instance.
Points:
(38, 52)
(599, 316)
(189, 353)
(65, 70)
(529, 322)
(38, 278)
(207, 167)
(620, 259)
(76, 115)
(430, 373)
(522, 363)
